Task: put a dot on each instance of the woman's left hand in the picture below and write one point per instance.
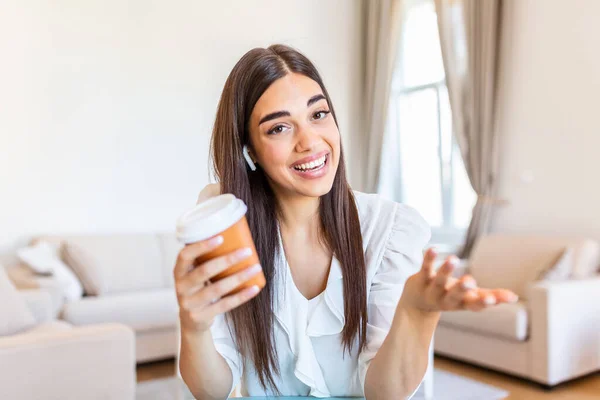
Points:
(434, 291)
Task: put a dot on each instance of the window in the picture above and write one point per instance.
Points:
(430, 174)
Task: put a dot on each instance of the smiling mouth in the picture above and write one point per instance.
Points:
(313, 165)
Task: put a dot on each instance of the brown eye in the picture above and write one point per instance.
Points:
(320, 115)
(277, 129)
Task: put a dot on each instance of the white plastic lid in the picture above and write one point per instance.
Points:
(210, 218)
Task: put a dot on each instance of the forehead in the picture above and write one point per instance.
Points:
(287, 93)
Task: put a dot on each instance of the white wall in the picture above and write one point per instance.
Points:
(106, 106)
(550, 117)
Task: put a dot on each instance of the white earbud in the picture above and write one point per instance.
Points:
(248, 159)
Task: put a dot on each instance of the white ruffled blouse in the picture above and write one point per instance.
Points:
(308, 332)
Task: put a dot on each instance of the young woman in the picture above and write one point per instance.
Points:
(351, 301)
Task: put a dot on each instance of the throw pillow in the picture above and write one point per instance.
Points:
(15, 315)
(78, 260)
(586, 256)
(39, 257)
(118, 263)
(44, 258)
(561, 269)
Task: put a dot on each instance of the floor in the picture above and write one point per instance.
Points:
(587, 388)
(155, 370)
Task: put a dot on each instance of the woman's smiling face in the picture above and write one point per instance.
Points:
(294, 137)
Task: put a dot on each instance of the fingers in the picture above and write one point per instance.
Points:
(485, 298)
(443, 277)
(230, 302)
(198, 277)
(472, 301)
(201, 318)
(428, 260)
(189, 253)
(197, 310)
(446, 293)
(456, 293)
(504, 296)
(209, 294)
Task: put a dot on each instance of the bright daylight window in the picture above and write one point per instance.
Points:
(432, 176)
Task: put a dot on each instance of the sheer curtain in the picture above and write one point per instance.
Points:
(382, 35)
(421, 161)
(470, 36)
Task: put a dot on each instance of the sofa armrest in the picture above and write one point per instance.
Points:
(565, 329)
(40, 303)
(96, 361)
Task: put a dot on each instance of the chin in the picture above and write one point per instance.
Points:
(317, 190)
(313, 188)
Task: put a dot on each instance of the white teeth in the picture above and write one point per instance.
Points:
(311, 165)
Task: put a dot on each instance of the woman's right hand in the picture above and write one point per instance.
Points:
(199, 301)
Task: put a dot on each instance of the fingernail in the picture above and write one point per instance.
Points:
(242, 254)
(217, 240)
(489, 300)
(453, 260)
(254, 289)
(469, 284)
(514, 299)
(253, 270)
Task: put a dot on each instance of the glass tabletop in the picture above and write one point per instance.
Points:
(175, 389)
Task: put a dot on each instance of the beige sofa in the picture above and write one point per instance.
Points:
(56, 361)
(127, 279)
(553, 333)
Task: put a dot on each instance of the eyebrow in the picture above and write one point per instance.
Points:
(274, 115)
(279, 114)
(314, 99)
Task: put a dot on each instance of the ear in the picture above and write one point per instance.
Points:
(249, 159)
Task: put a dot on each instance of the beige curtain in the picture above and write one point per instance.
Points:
(381, 44)
(470, 39)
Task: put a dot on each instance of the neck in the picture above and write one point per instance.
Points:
(299, 213)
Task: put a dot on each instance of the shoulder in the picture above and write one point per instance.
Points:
(386, 224)
(210, 190)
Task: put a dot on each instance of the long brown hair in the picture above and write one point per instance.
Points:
(340, 227)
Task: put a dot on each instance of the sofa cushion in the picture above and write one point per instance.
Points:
(506, 321)
(39, 301)
(170, 248)
(142, 311)
(516, 261)
(15, 315)
(108, 264)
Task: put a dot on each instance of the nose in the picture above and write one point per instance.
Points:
(307, 140)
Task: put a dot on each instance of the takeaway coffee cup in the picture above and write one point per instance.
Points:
(223, 215)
